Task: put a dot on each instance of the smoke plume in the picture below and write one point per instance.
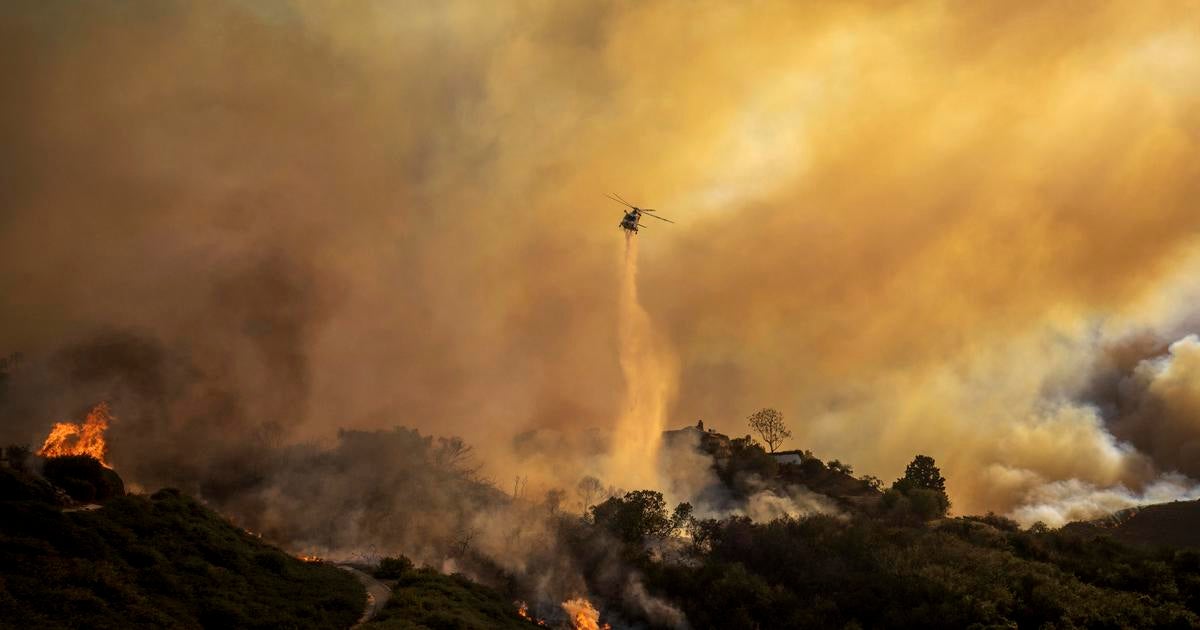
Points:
(911, 227)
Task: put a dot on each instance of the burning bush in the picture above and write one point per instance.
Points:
(86, 438)
(583, 615)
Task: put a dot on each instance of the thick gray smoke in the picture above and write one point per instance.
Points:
(1155, 405)
(234, 387)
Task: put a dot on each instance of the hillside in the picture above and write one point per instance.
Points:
(162, 561)
(966, 572)
(881, 558)
(424, 598)
(888, 559)
(1174, 524)
(743, 468)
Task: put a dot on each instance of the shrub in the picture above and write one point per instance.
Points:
(393, 568)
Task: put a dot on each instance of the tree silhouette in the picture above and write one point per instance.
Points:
(923, 472)
(639, 515)
(554, 499)
(840, 467)
(925, 487)
(768, 423)
(589, 488)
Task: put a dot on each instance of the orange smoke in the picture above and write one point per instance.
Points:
(69, 438)
(583, 615)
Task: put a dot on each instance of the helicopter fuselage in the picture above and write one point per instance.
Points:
(630, 222)
(632, 219)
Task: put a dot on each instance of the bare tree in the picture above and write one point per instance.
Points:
(768, 423)
(463, 538)
(456, 456)
(554, 499)
(519, 484)
(588, 489)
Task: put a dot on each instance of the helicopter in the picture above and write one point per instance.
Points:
(630, 223)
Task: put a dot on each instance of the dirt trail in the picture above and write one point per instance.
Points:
(90, 507)
(377, 594)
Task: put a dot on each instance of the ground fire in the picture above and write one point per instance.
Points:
(523, 611)
(69, 438)
(583, 615)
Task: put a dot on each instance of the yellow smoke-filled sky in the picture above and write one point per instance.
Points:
(939, 227)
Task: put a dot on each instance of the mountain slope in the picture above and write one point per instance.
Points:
(1174, 524)
(163, 561)
(424, 598)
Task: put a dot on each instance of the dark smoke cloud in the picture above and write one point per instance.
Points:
(1155, 405)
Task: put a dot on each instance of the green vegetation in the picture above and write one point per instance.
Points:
(894, 563)
(889, 558)
(164, 561)
(920, 494)
(824, 571)
(640, 515)
(393, 568)
(425, 599)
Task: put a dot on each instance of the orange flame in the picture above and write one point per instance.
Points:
(311, 559)
(583, 615)
(523, 612)
(69, 438)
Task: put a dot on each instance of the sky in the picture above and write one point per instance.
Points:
(960, 229)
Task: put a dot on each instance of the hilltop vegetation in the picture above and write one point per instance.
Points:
(424, 598)
(163, 561)
(823, 571)
(863, 554)
(891, 562)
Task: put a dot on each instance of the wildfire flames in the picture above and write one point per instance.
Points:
(311, 559)
(69, 438)
(523, 611)
(583, 615)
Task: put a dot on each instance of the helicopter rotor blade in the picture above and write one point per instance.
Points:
(625, 202)
(620, 201)
(660, 218)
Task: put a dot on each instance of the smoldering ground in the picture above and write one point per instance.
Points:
(902, 225)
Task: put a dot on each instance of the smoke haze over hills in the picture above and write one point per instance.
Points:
(962, 230)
